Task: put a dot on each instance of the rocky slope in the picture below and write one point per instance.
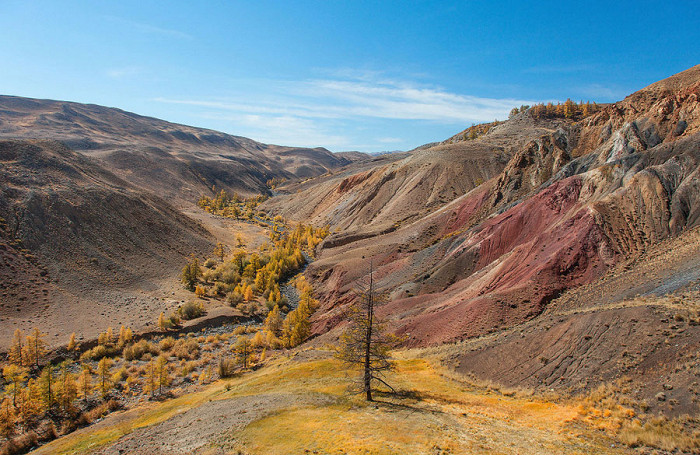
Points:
(396, 189)
(561, 205)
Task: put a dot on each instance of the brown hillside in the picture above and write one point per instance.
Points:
(401, 188)
(574, 199)
(172, 160)
(81, 246)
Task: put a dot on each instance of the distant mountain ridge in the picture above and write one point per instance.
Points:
(174, 160)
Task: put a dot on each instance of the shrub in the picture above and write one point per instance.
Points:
(20, 444)
(174, 320)
(187, 367)
(138, 350)
(229, 274)
(120, 375)
(220, 288)
(98, 352)
(100, 411)
(234, 298)
(186, 349)
(227, 367)
(191, 310)
(200, 291)
(246, 308)
(166, 344)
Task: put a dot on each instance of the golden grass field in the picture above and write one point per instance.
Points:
(436, 413)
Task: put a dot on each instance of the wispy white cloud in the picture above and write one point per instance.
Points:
(123, 72)
(402, 100)
(603, 93)
(389, 140)
(311, 112)
(388, 99)
(282, 129)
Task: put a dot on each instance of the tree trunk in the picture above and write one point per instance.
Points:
(368, 339)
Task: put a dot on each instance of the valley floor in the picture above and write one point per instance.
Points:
(300, 404)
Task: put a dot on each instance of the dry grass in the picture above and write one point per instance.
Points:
(435, 413)
(610, 408)
(663, 433)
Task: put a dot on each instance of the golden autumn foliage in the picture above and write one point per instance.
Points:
(71, 342)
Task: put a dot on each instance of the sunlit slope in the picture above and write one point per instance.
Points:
(301, 404)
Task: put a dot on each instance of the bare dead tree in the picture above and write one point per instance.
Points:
(365, 344)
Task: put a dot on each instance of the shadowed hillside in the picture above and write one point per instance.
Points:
(78, 242)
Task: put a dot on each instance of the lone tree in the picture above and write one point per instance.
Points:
(163, 374)
(191, 273)
(35, 346)
(220, 251)
(104, 373)
(243, 350)
(366, 343)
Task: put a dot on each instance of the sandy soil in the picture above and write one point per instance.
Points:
(196, 430)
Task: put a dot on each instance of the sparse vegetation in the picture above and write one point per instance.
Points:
(432, 413)
(476, 131)
(569, 109)
(117, 370)
(231, 206)
(610, 407)
(663, 433)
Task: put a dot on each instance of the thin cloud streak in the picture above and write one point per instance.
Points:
(311, 112)
(281, 130)
(123, 73)
(600, 92)
(339, 99)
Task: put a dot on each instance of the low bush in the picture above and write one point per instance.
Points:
(191, 310)
(98, 352)
(20, 444)
(166, 344)
(137, 351)
(187, 349)
(227, 367)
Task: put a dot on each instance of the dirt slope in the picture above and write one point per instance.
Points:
(400, 188)
(573, 199)
(81, 246)
(639, 321)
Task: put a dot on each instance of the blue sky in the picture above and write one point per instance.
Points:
(346, 75)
